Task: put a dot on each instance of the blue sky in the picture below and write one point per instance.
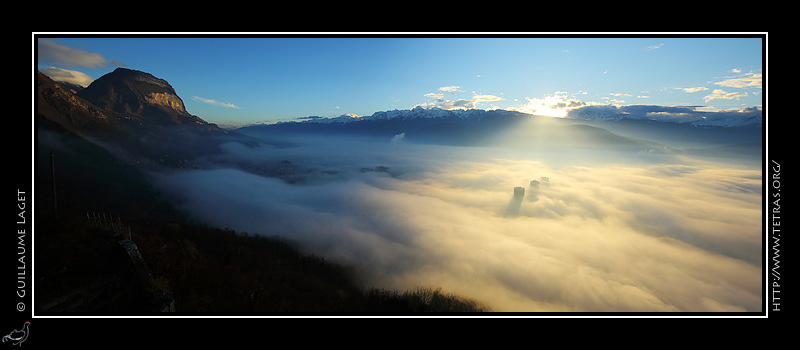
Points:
(233, 81)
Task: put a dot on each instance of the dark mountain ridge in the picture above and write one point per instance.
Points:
(138, 93)
(135, 115)
(531, 132)
(98, 152)
(464, 128)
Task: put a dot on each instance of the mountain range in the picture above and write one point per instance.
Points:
(687, 115)
(750, 117)
(142, 119)
(627, 129)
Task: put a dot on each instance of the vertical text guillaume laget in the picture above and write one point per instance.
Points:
(21, 267)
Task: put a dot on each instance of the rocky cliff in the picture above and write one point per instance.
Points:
(135, 115)
(134, 92)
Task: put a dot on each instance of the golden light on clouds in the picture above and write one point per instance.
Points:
(646, 234)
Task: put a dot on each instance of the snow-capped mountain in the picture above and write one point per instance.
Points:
(415, 113)
(630, 128)
(729, 121)
(749, 117)
(472, 127)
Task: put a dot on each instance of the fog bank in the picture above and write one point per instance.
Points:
(604, 232)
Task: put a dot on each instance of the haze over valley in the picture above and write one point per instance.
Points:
(644, 228)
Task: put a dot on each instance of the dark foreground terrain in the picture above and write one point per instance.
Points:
(108, 243)
(193, 269)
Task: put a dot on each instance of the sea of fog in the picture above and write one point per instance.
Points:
(598, 231)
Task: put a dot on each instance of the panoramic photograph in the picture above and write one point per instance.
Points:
(264, 175)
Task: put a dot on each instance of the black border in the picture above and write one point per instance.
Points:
(182, 327)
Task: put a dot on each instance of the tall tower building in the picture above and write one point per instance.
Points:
(516, 202)
(519, 193)
(533, 190)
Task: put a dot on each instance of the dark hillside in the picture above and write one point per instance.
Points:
(205, 270)
(152, 133)
(108, 242)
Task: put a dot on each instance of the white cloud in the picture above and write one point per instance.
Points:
(455, 104)
(451, 89)
(215, 102)
(724, 95)
(694, 89)
(746, 80)
(654, 47)
(448, 104)
(486, 98)
(675, 235)
(440, 102)
(67, 76)
(49, 51)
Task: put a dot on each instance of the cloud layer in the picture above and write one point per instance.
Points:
(68, 76)
(604, 233)
(57, 56)
(50, 51)
(439, 100)
(719, 94)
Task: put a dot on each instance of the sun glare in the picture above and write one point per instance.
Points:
(555, 106)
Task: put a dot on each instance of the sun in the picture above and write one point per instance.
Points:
(555, 106)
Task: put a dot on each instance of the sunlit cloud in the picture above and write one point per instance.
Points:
(440, 102)
(215, 102)
(719, 94)
(556, 105)
(675, 234)
(448, 104)
(693, 89)
(654, 47)
(747, 80)
(67, 76)
(450, 89)
(486, 98)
